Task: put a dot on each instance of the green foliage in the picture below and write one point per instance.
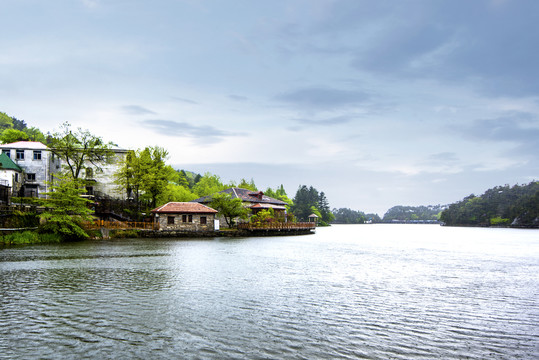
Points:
(29, 237)
(263, 217)
(228, 207)
(144, 176)
(124, 234)
(66, 209)
(174, 192)
(249, 185)
(208, 184)
(349, 216)
(80, 149)
(12, 135)
(308, 201)
(413, 213)
(501, 205)
(498, 221)
(34, 134)
(6, 122)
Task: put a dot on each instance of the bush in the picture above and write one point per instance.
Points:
(29, 237)
(498, 221)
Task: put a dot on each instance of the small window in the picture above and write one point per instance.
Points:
(202, 220)
(190, 218)
(170, 220)
(31, 177)
(7, 152)
(37, 154)
(89, 173)
(184, 218)
(16, 177)
(19, 155)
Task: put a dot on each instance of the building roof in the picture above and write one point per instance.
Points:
(33, 145)
(184, 208)
(7, 164)
(245, 195)
(267, 206)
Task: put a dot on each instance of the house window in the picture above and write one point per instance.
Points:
(202, 220)
(7, 152)
(16, 177)
(19, 155)
(190, 218)
(170, 220)
(31, 177)
(37, 154)
(89, 173)
(184, 218)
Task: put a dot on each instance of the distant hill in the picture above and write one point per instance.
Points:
(516, 206)
(401, 213)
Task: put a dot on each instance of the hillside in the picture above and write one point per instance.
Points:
(516, 206)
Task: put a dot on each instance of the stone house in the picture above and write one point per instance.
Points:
(185, 216)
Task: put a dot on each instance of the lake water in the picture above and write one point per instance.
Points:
(347, 292)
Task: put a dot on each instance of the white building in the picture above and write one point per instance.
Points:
(39, 165)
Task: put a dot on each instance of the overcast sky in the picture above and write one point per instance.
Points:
(376, 103)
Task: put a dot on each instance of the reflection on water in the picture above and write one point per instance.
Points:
(372, 291)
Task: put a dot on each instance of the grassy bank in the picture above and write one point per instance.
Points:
(29, 237)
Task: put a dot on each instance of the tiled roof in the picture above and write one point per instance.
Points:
(8, 164)
(267, 206)
(184, 207)
(245, 195)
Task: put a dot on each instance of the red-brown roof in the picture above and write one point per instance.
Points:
(184, 208)
(267, 206)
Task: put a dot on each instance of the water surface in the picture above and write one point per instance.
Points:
(348, 292)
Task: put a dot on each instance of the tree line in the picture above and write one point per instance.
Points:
(506, 205)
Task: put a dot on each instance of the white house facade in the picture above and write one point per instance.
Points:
(39, 165)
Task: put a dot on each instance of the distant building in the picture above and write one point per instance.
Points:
(187, 216)
(39, 165)
(254, 200)
(10, 179)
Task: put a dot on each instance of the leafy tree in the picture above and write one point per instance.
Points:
(34, 134)
(249, 185)
(349, 216)
(208, 184)
(13, 135)
(228, 207)
(66, 209)
(266, 216)
(501, 205)
(80, 149)
(19, 124)
(156, 173)
(305, 199)
(6, 122)
(174, 192)
(324, 209)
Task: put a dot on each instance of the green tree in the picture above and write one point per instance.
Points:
(249, 185)
(6, 122)
(208, 184)
(66, 209)
(81, 149)
(228, 207)
(11, 135)
(157, 174)
(305, 199)
(34, 134)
